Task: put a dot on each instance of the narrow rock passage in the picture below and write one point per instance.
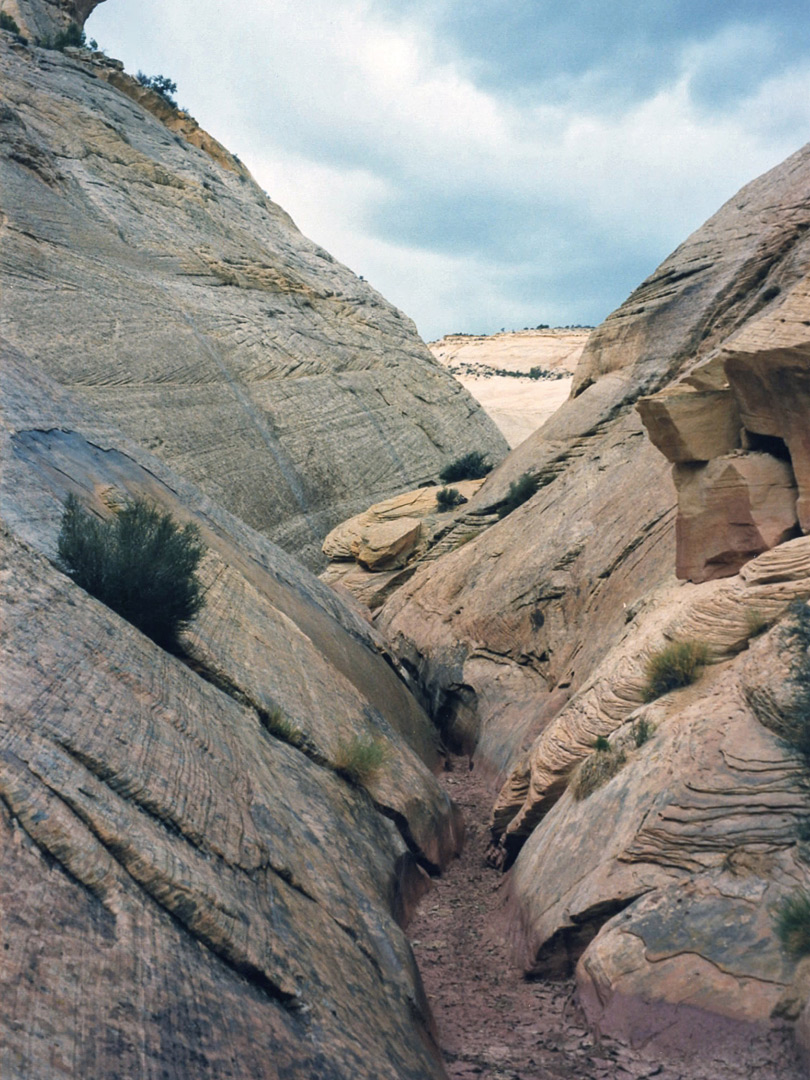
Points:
(495, 1025)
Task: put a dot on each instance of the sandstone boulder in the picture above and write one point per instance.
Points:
(387, 545)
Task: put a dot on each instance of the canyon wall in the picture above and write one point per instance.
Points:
(530, 638)
(145, 269)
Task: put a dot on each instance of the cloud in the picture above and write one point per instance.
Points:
(481, 166)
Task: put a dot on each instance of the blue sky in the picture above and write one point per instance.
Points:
(485, 163)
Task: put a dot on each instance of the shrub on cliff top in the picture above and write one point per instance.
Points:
(472, 466)
(678, 664)
(142, 564)
(161, 84)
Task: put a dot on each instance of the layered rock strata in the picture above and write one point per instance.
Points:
(530, 641)
(145, 269)
(185, 893)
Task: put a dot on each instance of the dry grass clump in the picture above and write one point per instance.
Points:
(678, 664)
(360, 759)
(595, 771)
(280, 726)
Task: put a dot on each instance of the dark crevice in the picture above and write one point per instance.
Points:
(557, 958)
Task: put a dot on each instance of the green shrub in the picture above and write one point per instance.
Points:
(360, 759)
(792, 923)
(595, 771)
(280, 726)
(447, 498)
(520, 491)
(674, 666)
(73, 37)
(161, 85)
(7, 22)
(472, 466)
(601, 744)
(141, 564)
(642, 731)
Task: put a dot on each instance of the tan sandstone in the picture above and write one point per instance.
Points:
(149, 273)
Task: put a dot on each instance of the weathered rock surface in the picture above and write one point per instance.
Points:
(730, 510)
(687, 424)
(720, 613)
(374, 552)
(42, 20)
(182, 893)
(531, 640)
(533, 598)
(681, 859)
(518, 404)
(146, 270)
(768, 367)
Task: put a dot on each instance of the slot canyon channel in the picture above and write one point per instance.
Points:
(492, 1022)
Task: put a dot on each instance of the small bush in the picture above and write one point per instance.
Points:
(7, 22)
(141, 564)
(642, 731)
(792, 923)
(281, 727)
(161, 85)
(595, 771)
(520, 491)
(360, 759)
(73, 37)
(674, 666)
(447, 498)
(601, 744)
(472, 466)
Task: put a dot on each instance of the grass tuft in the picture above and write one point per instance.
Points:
(360, 759)
(281, 727)
(520, 491)
(642, 731)
(792, 924)
(676, 665)
(595, 771)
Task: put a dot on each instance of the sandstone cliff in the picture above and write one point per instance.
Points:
(144, 268)
(529, 642)
(184, 893)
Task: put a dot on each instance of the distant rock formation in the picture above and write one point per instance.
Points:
(146, 271)
(495, 370)
(529, 642)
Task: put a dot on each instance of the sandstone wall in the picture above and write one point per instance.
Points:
(182, 892)
(530, 642)
(144, 268)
